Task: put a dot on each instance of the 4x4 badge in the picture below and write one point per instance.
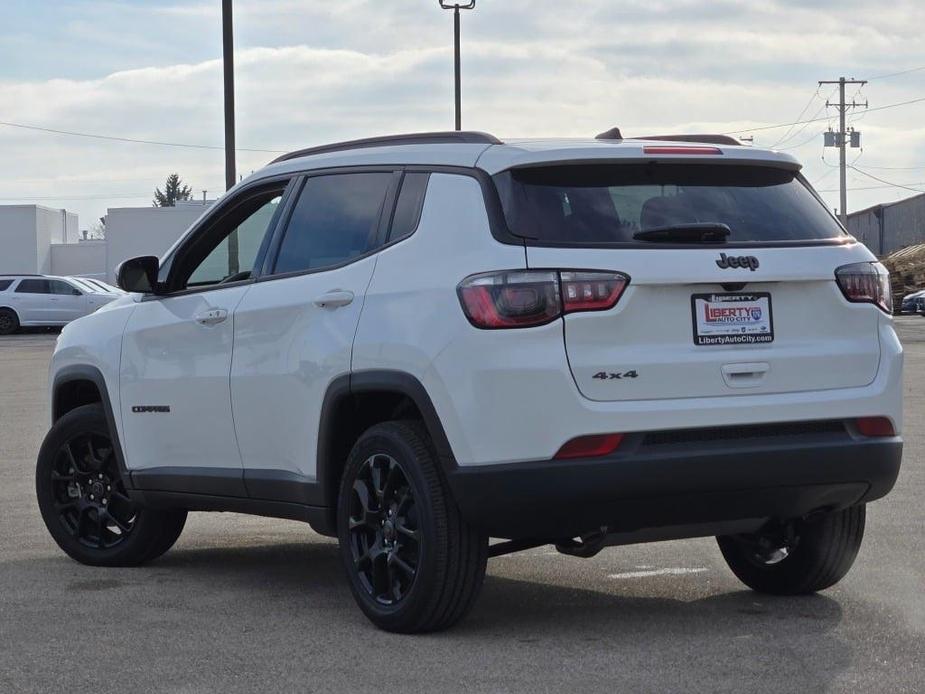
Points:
(743, 261)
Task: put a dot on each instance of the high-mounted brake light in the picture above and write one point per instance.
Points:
(592, 446)
(677, 149)
(866, 283)
(526, 298)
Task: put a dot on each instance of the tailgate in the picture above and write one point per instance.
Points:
(807, 336)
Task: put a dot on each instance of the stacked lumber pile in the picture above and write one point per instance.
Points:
(907, 270)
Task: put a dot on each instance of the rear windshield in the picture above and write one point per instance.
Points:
(609, 203)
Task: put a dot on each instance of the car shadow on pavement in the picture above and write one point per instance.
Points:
(648, 630)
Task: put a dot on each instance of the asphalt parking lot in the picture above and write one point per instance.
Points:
(251, 604)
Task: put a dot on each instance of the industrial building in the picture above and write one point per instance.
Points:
(888, 227)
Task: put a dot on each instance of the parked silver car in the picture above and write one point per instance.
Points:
(912, 303)
(41, 300)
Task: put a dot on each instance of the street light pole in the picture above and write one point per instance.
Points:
(230, 173)
(228, 63)
(456, 7)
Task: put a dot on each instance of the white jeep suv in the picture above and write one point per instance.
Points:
(417, 343)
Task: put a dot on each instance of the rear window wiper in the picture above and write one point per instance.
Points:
(700, 232)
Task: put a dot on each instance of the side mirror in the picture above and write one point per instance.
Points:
(139, 274)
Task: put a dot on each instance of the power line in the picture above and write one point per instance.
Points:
(889, 185)
(115, 138)
(895, 185)
(896, 168)
(812, 137)
(799, 116)
(896, 74)
(77, 197)
(797, 132)
(824, 118)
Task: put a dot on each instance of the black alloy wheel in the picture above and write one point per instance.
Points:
(89, 495)
(412, 561)
(82, 492)
(384, 529)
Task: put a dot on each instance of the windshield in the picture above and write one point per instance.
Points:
(609, 203)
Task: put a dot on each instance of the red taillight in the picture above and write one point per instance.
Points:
(592, 446)
(524, 298)
(676, 149)
(875, 426)
(867, 283)
(591, 291)
(513, 299)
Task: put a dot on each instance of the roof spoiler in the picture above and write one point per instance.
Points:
(707, 139)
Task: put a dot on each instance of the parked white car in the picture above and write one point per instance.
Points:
(419, 342)
(41, 300)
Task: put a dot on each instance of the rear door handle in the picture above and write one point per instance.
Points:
(334, 299)
(213, 316)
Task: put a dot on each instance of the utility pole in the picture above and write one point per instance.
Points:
(841, 138)
(456, 7)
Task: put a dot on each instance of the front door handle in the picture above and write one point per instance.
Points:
(213, 316)
(334, 299)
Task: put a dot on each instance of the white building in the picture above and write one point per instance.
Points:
(134, 231)
(36, 239)
(27, 233)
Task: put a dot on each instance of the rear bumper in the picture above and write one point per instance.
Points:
(688, 483)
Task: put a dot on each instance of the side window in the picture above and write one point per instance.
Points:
(5, 284)
(60, 287)
(409, 205)
(227, 251)
(33, 287)
(335, 219)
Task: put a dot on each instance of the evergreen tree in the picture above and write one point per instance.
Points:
(173, 190)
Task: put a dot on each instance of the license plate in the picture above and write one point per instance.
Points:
(732, 319)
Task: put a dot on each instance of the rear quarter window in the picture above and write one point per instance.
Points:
(612, 202)
(5, 284)
(34, 287)
(409, 205)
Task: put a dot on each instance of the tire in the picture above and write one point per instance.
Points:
(83, 499)
(448, 557)
(820, 552)
(9, 321)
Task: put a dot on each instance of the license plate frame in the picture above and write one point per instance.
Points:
(751, 322)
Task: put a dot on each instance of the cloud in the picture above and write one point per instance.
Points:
(313, 72)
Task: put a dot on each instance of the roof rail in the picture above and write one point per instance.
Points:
(436, 138)
(705, 139)
(612, 134)
(20, 274)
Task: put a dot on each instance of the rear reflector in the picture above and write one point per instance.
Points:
(680, 150)
(591, 446)
(875, 426)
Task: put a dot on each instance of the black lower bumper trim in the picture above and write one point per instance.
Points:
(704, 482)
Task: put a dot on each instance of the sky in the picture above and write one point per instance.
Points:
(315, 71)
